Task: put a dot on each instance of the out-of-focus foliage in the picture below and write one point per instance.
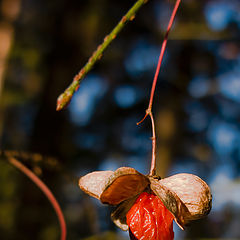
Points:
(105, 236)
(8, 204)
(196, 108)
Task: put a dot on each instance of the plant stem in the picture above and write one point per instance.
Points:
(149, 109)
(64, 99)
(45, 190)
(153, 163)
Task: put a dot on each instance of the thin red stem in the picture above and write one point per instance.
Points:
(149, 109)
(164, 44)
(46, 191)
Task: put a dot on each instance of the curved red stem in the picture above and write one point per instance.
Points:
(46, 191)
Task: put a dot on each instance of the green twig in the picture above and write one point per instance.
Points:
(65, 98)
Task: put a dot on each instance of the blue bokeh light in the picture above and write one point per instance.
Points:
(142, 58)
(199, 86)
(110, 163)
(126, 96)
(140, 163)
(198, 117)
(224, 189)
(218, 14)
(84, 101)
(224, 137)
(184, 165)
(229, 85)
(114, 162)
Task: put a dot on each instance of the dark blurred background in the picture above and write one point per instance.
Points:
(43, 44)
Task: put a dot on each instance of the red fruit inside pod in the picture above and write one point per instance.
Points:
(149, 219)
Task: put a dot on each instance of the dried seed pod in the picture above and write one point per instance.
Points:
(171, 201)
(193, 192)
(94, 183)
(118, 216)
(114, 187)
(187, 196)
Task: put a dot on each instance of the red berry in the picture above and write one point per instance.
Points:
(149, 219)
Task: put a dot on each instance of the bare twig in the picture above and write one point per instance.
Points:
(149, 109)
(153, 163)
(65, 98)
(45, 190)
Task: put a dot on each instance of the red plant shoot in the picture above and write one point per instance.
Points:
(149, 219)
